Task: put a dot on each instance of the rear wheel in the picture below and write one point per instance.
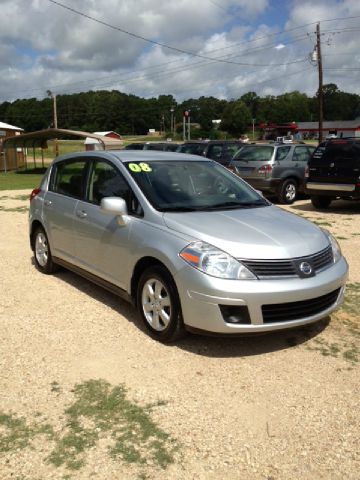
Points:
(288, 191)
(159, 305)
(320, 202)
(42, 253)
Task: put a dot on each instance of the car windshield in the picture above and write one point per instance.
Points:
(253, 153)
(179, 185)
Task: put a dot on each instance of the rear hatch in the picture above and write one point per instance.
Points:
(251, 158)
(337, 161)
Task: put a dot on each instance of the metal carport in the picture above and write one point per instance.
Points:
(40, 138)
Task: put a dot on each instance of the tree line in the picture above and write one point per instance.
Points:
(132, 115)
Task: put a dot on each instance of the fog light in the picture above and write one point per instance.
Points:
(235, 314)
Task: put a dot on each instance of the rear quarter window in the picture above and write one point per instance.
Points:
(67, 178)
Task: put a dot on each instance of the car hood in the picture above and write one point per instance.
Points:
(252, 233)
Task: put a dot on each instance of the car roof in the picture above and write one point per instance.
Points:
(134, 156)
(276, 144)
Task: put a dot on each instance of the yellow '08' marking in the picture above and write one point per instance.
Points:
(140, 167)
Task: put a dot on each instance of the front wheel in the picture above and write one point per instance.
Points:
(42, 253)
(159, 305)
(288, 191)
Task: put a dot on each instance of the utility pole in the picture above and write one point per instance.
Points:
(189, 126)
(320, 92)
(53, 96)
(172, 123)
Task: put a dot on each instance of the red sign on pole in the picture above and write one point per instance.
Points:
(186, 113)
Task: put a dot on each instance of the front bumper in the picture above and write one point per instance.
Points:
(203, 299)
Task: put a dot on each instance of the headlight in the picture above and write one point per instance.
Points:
(336, 250)
(215, 262)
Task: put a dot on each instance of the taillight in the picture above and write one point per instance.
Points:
(307, 172)
(265, 170)
(35, 192)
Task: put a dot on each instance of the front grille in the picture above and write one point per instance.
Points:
(288, 268)
(281, 312)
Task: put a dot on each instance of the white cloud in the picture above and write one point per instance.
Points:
(45, 46)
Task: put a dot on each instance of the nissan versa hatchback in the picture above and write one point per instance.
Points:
(189, 243)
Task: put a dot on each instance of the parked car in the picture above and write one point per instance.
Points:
(191, 245)
(194, 148)
(221, 151)
(333, 172)
(162, 146)
(274, 168)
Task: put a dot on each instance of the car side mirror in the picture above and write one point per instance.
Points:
(115, 206)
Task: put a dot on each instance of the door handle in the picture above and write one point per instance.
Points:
(48, 203)
(81, 213)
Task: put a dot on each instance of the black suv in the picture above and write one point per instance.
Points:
(334, 172)
(221, 151)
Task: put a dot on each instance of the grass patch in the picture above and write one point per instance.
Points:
(15, 434)
(99, 411)
(346, 329)
(351, 304)
(322, 223)
(21, 209)
(21, 180)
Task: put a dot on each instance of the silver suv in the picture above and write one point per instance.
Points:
(190, 244)
(274, 168)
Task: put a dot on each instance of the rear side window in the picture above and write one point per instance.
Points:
(135, 146)
(254, 153)
(214, 152)
(281, 153)
(155, 146)
(68, 178)
(193, 149)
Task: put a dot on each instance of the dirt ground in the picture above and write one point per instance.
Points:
(282, 406)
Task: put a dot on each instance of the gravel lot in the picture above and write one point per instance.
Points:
(281, 406)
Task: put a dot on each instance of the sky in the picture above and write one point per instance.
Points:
(186, 48)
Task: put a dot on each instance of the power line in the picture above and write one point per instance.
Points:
(154, 42)
(95, 83)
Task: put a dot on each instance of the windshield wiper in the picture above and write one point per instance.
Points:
(177, 209)
(235, 205)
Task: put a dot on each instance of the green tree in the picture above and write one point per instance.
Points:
(236, 118)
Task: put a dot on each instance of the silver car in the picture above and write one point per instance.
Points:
(274, 168)
(189, 243)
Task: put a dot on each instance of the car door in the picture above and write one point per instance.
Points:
(66, 188)
(282, 162)
(104, 246)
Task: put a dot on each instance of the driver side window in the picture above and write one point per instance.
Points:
(107, 181)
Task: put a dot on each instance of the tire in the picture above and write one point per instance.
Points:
(288, 191)
(42, 252)
(159, 305)
(321, 202)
